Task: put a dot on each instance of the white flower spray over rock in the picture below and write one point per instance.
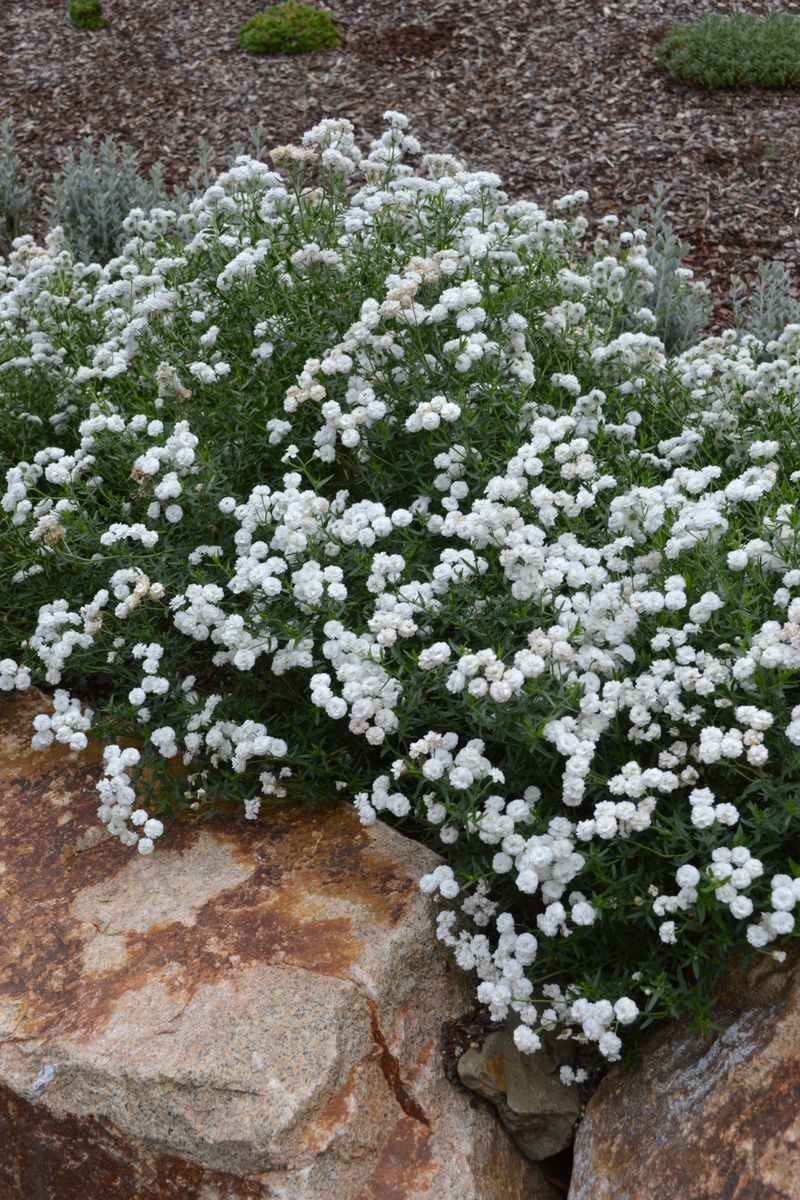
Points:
(356, 477)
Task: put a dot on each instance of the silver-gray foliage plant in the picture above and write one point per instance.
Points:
(770, 307)
(94, 192)
(681, 304)
(16, 190)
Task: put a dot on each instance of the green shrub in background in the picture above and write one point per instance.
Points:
(289, 29)
(739, 51)
(86, 14)
(16, 190)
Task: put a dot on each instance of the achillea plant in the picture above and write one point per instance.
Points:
(350, 480)
(86, 14)
(743, 50)
(289, 28)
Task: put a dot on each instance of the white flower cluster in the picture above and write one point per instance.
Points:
(505, 984)
(68, 723)
(13, 676)
(117, 798)
(448, 529)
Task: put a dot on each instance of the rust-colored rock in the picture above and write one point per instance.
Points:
(253, 1011)
(714, 1118)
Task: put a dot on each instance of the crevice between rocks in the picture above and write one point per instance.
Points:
(390, 1068)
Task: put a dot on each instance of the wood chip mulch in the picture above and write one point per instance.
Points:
(551, 94)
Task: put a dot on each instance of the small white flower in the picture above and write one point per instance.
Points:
(526, 1041)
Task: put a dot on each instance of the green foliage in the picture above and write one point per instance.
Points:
(739, 51)
(86, 14)
(94, 192)
(289, 29)
(356, 481)
(16, 190)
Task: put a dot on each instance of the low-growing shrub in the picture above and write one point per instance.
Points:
(289, 28)
(743, 50)
(349, 481)
(16, 190)
(94, 192)
(86, 14)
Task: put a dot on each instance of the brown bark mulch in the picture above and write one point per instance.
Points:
(552, 94)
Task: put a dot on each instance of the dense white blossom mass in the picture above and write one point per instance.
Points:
(358, 474)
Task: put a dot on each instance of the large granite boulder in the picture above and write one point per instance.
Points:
(253, 1011)
(714, 1118)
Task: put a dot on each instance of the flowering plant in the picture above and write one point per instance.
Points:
(356, 476)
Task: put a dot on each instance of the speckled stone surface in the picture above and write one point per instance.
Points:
(252, 1011)
(714, 1118)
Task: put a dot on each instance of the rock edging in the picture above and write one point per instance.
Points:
(252, 1011)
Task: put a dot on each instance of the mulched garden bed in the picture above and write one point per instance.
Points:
(552, 94)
